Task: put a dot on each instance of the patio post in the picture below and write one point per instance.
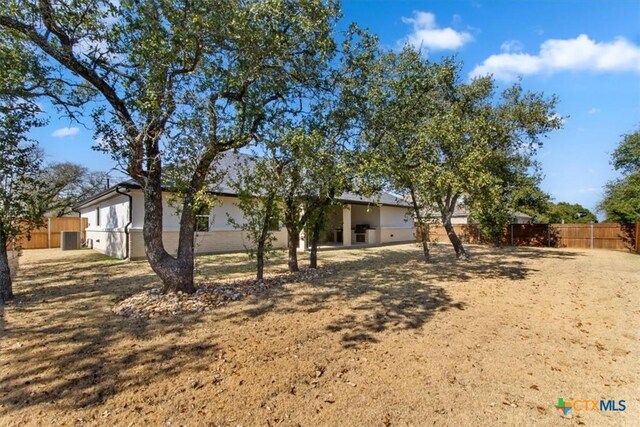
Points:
(346, 225)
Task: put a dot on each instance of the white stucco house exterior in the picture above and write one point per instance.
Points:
(115, 220)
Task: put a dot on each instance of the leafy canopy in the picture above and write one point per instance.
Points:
(621, 201)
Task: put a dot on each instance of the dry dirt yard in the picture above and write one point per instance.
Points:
(385, 340)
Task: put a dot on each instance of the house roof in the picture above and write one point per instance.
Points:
(106, 194)
(382, 198)
(229, 163)
(464, 212)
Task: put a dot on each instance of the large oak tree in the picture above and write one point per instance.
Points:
(442, 142)
(20, 183)
(176, 84)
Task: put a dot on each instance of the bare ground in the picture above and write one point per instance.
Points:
(386, 340)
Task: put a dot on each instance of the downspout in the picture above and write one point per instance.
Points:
(126, 227)
(80, 220)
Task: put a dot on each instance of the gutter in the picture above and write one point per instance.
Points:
(126, 227)
(123, 184)
(79, 219)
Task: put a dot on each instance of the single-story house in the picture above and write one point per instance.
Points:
(115, 218)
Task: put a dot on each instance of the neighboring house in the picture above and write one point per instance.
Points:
(461, 216)
(116, 219)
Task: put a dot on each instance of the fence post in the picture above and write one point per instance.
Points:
(49, 232)
(511, 234)
(548, 235)
(591, 232)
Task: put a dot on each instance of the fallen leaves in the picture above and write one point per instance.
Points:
(155, 303)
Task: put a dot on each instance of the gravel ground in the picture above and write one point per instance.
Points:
(383, 340)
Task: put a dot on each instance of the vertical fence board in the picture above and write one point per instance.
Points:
(611, 236)
(49, 235)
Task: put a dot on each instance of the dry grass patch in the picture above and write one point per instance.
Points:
(384, 340)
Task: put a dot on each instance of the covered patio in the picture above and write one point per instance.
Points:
(365, 224)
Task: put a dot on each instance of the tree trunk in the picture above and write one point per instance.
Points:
(422, 227)
(461, 253)
(315, 237)
(424, 239)
(6, 287)
(269, 210)
(260, 261)
(447, 206)
(291, 220)
(293, 241)
(176, 273)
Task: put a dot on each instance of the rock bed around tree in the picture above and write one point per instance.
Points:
(156, 303)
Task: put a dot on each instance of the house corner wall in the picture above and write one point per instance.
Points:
(346, 225)
(395, 225)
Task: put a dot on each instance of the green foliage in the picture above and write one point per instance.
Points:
(441, 140)
(626, 158)
(315, 149)
(621, 201)
(258, 188)
(491, 220)
(531, 200)
(570, 214)
(29, 190)
(176, 84)
(21, 181)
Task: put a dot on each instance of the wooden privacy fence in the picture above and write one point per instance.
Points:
(49, 235)
(612, 236)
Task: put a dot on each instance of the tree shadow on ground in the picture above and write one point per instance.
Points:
(74, 351)
(393, 288)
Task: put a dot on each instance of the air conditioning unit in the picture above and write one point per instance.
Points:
(69, 240)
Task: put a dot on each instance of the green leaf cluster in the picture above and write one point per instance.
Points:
(621, 202)
(567, 213)
(443, 142)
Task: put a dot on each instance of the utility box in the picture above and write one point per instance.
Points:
(69, 240)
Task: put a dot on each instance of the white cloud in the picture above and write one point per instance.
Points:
(426, 33)
(593, 110)
(62, 132)
(556, 55)
(511, 46)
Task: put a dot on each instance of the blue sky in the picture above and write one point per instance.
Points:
(585, 52)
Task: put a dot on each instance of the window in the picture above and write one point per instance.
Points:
(274, 224)
(98, 216)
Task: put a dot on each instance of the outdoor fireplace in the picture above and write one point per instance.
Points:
(361, 232)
